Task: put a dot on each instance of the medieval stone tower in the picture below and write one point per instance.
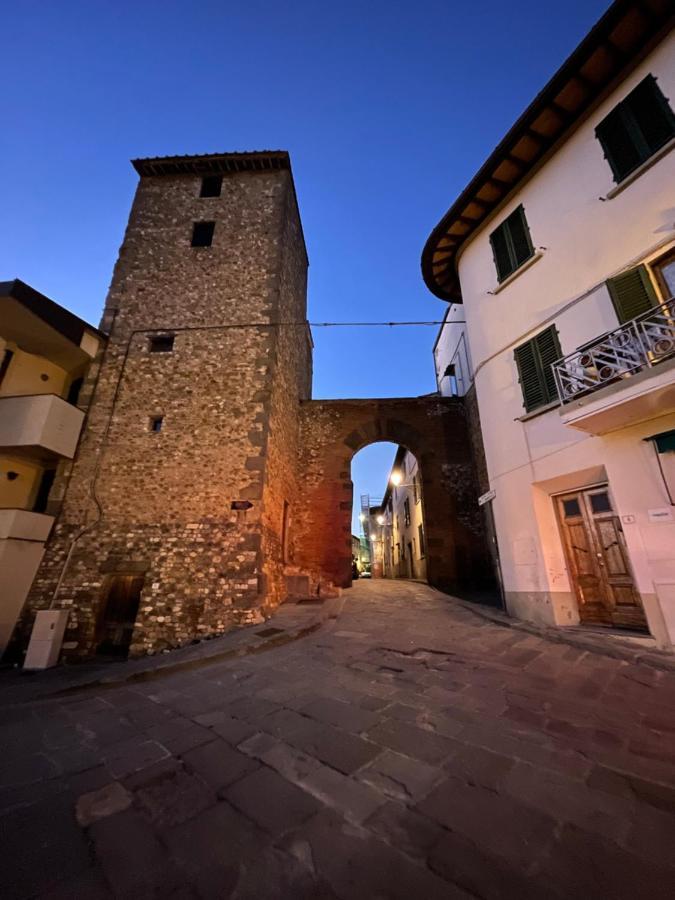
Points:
(177, 506)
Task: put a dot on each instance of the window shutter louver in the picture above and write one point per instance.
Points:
(652, 114)
(530, 383)
(500, 252)
(520, 236)
(620, 151)
(548, 350)
(632, 293)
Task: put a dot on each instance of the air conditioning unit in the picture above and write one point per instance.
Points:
(46, 638)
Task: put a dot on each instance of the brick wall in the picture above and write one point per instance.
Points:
(435, 430)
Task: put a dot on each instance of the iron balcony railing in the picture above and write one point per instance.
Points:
(640, 343)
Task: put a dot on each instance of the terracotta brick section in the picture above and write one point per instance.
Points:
(435, 430)
(159, 504)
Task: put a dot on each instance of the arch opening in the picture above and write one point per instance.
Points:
(388, 523)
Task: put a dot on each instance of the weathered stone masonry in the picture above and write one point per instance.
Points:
(160, 503)
(238, 424)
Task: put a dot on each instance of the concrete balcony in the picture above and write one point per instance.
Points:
(622, 378)
(24, 525)
(39, 425)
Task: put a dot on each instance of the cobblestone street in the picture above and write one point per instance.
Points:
(410, 748)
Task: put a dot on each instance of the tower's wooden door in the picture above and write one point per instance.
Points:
(598, 561)
(119, 614)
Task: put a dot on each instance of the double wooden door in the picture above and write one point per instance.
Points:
(596, 555)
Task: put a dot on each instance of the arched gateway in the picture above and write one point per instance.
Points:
(435, 430)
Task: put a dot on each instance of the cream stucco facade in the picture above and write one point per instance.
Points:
(402, 531)
(45, 354)
(584, 230)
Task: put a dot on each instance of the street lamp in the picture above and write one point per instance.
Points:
(380, 520)
(396, 478)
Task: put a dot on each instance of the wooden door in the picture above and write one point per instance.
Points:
(598, 561)
(119, 614)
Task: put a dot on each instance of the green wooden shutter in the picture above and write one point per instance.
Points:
(632, 293)
(500, 252)
(620, 150)
(652, 114)
(519, 234)
(548, 350)
(534, 360)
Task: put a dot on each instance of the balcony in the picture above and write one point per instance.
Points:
(623, 377)
(24, 525)
(39, 425)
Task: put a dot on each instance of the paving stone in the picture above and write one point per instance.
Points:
(496, 822)
(251, 796)
(179, 735)
(108, 800)
(132, 756)
(568, 800)
(481, 873)
(174, 799)
(87, 885)
(478, 766)
(218, 764)
(342, 715)
(42, 846)
(274, 875)
(630, 784)
(400, 777)
(405, 829)
(251, 708)
(358, 866)
(212, 848)
(234, 731)
(344, 752)
(411, 741)
(132, 860)
(586, 865)
(283, 722)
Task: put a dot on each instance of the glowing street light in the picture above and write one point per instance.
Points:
(380, 520)
(396, 478)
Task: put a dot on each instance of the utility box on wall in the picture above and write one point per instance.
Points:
(46, 638)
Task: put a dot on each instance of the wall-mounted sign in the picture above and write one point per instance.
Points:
(241, 504)
(662, 514)
(485, 498)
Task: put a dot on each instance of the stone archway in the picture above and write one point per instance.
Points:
(435, 430)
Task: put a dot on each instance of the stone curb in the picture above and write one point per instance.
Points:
(612, 647)
(329, 612)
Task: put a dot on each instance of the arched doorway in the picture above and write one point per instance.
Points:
(434, 430)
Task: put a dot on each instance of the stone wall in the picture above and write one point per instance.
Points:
(159, 503)
(435, 430)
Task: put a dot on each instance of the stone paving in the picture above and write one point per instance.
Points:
(409, 749)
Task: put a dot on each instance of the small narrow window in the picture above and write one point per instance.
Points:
(511, 244)
(534, 360)
(156, 423)
(420, 531)
(202, 234)
(4, 365)
(406, 511)
(161, 343)
(211, 186)
(42, 496)
(74, 391)
(636, 128)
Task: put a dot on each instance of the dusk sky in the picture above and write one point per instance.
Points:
(387, 109)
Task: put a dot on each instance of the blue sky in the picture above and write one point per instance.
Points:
(387, 109)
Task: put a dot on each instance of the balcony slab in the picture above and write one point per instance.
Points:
(40, 425)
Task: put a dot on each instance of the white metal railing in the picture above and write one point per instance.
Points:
(642, 342)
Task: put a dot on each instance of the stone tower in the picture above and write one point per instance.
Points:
(177, 506)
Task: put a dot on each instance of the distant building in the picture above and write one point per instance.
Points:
(403, 537)
(46, 354)
(561, 255)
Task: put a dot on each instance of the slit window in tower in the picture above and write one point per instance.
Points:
(202, 234)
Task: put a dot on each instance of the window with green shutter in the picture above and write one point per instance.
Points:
(632, 293)
(635, 129)
(534, 360)
(511, 244)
